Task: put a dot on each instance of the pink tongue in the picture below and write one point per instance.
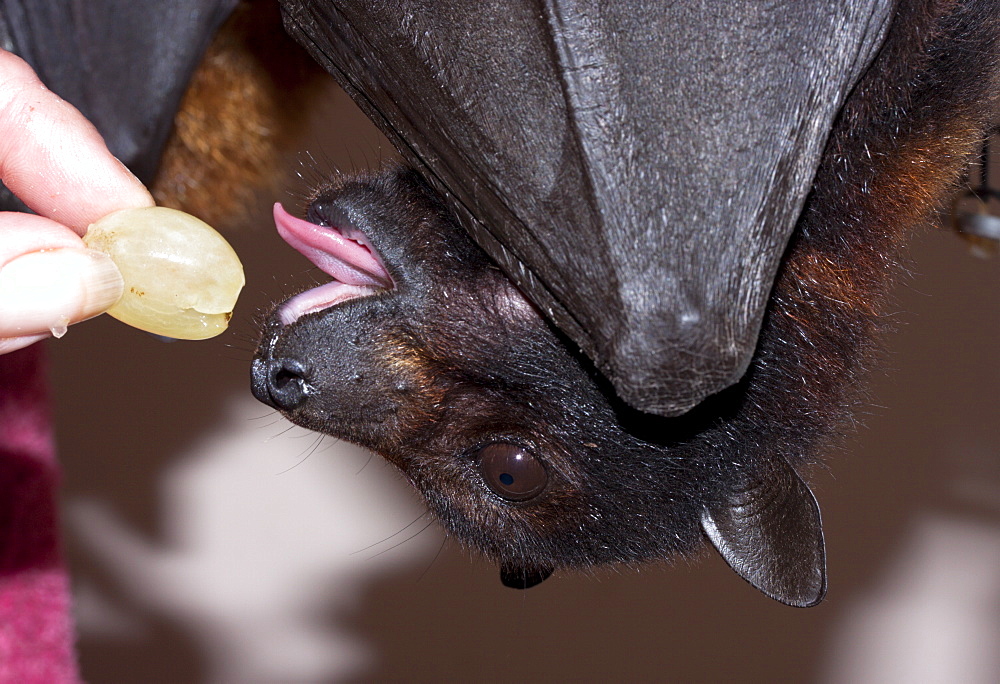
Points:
(355, 269)
(343, 259)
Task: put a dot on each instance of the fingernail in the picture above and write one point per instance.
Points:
(46, 291)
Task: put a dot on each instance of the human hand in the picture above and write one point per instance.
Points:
(56, 162)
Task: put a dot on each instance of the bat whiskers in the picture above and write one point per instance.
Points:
(396, 534)
(400, 543)
(309, 451)
(433, 560)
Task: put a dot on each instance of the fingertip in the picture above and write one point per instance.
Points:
(46, 291)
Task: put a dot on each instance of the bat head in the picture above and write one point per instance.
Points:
(423, 351)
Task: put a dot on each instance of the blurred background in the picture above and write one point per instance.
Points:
(211, 541)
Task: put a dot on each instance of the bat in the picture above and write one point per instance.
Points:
(492, 380)
(449, 364)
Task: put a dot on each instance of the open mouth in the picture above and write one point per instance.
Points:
(342, 252)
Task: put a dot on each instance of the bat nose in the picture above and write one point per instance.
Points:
(280, 383)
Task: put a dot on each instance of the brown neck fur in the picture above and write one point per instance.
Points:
(244, 104)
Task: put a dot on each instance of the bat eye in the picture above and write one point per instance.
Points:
(512, 472)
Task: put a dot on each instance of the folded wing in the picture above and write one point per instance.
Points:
(637, 168)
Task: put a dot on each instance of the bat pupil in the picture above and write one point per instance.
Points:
(507, 479)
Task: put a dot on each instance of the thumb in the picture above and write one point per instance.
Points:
(52, 283)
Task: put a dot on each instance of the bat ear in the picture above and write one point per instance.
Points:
(519, 577)
(769, 531)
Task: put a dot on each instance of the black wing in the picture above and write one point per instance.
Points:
(636, 168)
(124, 64)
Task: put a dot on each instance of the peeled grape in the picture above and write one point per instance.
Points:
(182, 278)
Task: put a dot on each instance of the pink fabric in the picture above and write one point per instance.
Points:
(36, 633)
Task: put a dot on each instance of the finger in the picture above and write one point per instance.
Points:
(53, 159)
(48, 279)
(23, 233)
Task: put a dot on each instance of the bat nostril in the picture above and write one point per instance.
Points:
(287, 382)
(280, 382)
(284, 377)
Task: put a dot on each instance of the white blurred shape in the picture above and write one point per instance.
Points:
(266, 540)
(935, 618)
